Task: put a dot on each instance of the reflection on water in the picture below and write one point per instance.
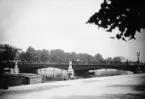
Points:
(52, 74)
(109, 72)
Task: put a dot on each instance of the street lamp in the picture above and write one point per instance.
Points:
(138, 54)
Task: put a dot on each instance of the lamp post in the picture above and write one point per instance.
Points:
(138, 55)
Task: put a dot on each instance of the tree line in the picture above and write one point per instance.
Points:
(59, 56)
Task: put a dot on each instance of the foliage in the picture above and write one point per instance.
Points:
(59, 56)
(9, 53)
(109, 59)
(30, 54)
(126, 15)
(117, 59)
(22, 56)
(98, 57)
(44, 56)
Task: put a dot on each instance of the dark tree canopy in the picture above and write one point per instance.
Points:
(126, 15)
(9, 54)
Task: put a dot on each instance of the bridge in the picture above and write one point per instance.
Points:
(80, 69)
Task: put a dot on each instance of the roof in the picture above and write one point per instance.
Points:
(2, 47)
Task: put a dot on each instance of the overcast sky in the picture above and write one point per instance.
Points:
(60, 24)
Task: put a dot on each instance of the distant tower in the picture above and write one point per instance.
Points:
(138, 55)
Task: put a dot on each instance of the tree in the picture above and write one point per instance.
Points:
(98, 58)
(30, 54)
(34, 56)
(38, 55)
(57, 55)
(74, 57)
(126, 15)
(22, 56)
(109, 60)
(81, 58)
(44, 56)
(117, 59)
(9, 53)
(89, 58)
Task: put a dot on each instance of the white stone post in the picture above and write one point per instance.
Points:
(70, 70)
(16, 69)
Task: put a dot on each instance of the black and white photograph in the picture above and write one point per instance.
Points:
(72, 49)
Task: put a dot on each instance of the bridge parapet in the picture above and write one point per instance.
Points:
(121, 66)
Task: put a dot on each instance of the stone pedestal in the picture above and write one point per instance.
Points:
(16, 69)
(70, 70)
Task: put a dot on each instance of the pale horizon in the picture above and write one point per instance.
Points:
(61, 24)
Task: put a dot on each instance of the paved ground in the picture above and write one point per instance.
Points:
(116, 87)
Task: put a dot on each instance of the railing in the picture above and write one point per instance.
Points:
(11, 64)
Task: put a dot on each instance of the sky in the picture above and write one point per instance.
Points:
(60, 24)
